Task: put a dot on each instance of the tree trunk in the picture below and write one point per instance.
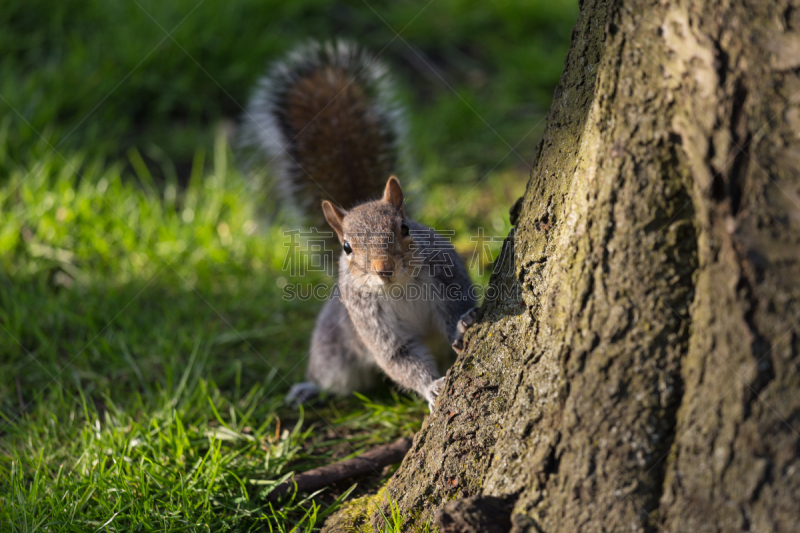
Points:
(643, 375)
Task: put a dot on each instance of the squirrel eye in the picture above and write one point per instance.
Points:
(404, 230)
(347, 248)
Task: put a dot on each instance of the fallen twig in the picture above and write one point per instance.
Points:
(370, 461)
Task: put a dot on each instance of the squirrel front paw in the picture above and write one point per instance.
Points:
(433, 392)
(301, 393)
(464, 323)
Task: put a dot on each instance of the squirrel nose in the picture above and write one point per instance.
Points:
(384, 269)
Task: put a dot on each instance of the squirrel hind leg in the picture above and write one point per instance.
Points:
(338, 362)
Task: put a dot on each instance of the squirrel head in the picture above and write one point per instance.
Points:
(375, 237)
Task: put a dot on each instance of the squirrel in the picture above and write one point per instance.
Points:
(328, 118)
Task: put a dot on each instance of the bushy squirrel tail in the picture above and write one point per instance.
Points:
(327, 118)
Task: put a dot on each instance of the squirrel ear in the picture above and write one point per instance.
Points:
(393, 194)
(335, 216)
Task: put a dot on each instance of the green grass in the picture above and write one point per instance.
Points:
(145, 350)
(145, 343)
(394, 522)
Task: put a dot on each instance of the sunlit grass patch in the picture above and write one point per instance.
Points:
(145, 354)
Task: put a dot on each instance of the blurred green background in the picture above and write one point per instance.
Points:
(104, 76)
(145, 346)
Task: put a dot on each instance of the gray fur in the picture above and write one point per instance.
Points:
(369, 327)
(328, 117)
(335, 340)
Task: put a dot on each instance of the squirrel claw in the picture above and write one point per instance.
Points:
(466, 320)
(301, 393)
(458, 346)
(464, 323)
(435, 390)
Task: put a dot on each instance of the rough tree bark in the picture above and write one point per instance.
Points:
(647, 377)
